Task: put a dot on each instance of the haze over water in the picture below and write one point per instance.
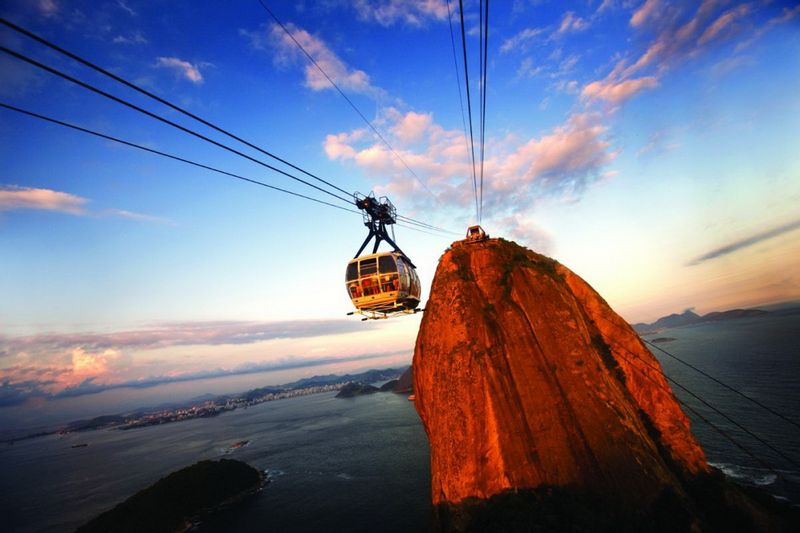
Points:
(361, 464)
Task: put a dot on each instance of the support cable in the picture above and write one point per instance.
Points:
(159, 99)
(179, 109)
(485, 63)
(425, 228)
(707, 421)
(732, 389)
(469, 99)
(164, 120)
(425, 225)
(169, 156)
(347, 99)
(461, 106)
(719, 412)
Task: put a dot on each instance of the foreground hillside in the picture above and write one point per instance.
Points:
(174, 501)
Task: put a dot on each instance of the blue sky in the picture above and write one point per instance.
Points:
(649, 146)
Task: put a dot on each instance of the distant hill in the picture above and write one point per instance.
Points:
(356, 389)
(173, 502)
(370, 376)
(689, 317)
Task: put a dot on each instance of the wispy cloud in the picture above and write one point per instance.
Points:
(561, 161)
(20, 384)
(133, 38)
(59, 364)
(411, 12)
(13, 198)
(126, 8)
(48, 8)
(185, 69)
(521, 40)
(571, 22)
(618, 91)
(175, 334)
(646, 11)
(680, 33)
(286, 51)
(744, 243)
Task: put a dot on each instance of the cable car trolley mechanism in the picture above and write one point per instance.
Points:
(384, 284)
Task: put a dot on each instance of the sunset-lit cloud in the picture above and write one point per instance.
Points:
(13, 198)
(185, 69)
(90, 375)
(676, 36)
(744, 243)
(617, 92)
(174, 334)
(560, 162)
(70, 364)
(571, 22)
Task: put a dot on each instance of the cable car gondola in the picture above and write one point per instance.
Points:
(384, 284)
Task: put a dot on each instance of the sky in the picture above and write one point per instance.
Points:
(650, 146)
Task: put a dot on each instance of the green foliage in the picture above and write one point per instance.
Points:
(166, 505)
(608, 358)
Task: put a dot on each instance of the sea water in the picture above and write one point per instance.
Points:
(361, 464)
(358, 464)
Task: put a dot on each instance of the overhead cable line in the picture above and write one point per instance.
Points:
(719, 412)
(484, 65)
(425, 225)
(720, 382)
(347, 99)
(469, 98)
(167, 155)
(164, 120)
(181, 110)
(428, 231)
(167, 103)
(461, 106)
(704, 419)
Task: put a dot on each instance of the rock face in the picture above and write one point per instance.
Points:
(526, 380)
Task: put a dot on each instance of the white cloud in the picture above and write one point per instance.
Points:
(126, 8)
(14, 198)
(564, 160)
(134, 38)
(527, 69)
(616, 92)
(186, 69)
(723, 24)
(347, 78)
(412, 12)
(678, 36)
(571, 22)
(645, 12)
(521, 40)
(48, 8)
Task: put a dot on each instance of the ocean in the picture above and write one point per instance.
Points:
(361, 464)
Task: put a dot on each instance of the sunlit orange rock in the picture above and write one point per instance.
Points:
(525, 379)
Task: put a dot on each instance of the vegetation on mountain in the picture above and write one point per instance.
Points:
(173, 502)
